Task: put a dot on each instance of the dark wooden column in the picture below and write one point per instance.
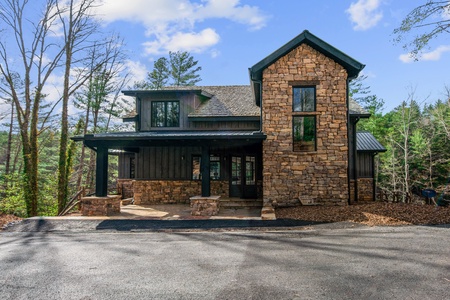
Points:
(206, 180)
(101, 173)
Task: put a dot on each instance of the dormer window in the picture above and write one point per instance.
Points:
(165, 114)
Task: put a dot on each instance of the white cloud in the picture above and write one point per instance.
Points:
(137, 71)
(365, 14)
(434, 55)
(171, 24)
(191, 42)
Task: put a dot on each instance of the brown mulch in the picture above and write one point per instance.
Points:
(5, 219)
(372, 214)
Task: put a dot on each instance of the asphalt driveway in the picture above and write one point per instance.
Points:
(305, 262)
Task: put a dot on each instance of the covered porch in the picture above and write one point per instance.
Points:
(180, 167)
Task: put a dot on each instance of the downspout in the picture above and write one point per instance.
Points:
(374, 183)
(260, 106)
(348, 141)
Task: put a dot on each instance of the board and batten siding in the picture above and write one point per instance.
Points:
(188, 103)
(171, 163)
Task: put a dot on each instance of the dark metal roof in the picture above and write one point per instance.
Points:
(130, 140)
(352, 66)
(366, 142)
(155, 135)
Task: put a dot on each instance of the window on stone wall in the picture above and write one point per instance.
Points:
(304, 119)
(165, 114)
(304, 99)
(304, 133)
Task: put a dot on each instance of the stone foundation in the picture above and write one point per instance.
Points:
(205, 206)
(100, 206)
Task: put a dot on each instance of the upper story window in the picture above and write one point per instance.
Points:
(304, 119)
(304, 99)
(165, 114)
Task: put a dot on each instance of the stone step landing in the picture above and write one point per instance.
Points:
(240, 203)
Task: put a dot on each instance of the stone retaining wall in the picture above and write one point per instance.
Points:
(320, 176)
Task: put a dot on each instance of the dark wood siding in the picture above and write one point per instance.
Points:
(365, 165)
(171, 163)
(125, 165)
(188, 103)
(175, 163)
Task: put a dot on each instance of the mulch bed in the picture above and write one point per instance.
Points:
(5, 219)
(372, 214)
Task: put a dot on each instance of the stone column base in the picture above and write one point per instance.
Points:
(100, 206)
(205, 206)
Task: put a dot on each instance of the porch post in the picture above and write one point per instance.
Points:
(206, 184)
(101, 172)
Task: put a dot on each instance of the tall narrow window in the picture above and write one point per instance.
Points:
(304, 133)
(304, 119)
(165, 114)
(196, 173)
(304, 99)
(214, 167)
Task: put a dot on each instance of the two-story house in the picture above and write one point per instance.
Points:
(288, 138)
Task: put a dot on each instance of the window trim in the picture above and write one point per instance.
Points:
(153, 110)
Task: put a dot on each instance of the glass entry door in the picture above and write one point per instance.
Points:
(243, 177)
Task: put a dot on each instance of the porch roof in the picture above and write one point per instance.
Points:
(127, 140)
(366, 142)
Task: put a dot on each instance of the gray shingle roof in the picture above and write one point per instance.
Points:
(366, 142)
(356, 109)
(231, 101)
(228, 101)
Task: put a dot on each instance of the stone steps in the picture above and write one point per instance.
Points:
(241, 203)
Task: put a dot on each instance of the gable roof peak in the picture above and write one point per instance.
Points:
(352, 66)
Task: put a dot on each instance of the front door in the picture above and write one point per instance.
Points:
(243, 176)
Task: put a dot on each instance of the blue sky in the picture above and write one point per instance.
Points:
(228, 37)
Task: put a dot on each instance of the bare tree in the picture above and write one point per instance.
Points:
(77, 26)
(39, 44)
(427, 21)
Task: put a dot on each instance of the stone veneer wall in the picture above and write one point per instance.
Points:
(365, 189)
(125, 188)
(321, 176)
(173, 191)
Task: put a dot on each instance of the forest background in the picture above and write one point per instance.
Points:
(41, 168)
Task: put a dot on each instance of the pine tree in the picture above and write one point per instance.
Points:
(183, 69)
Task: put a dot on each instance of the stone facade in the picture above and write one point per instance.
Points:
(100, 206)
(319, 176)
(173, 191)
